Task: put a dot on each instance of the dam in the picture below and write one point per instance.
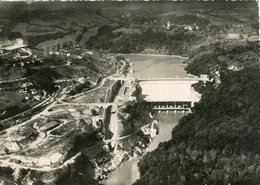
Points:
(165, 84)
(170, 95)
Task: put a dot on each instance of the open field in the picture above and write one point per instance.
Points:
(89, 33)
(11, 74)
(9, 99)
(52, 42)
(127, 30)
(35, 29)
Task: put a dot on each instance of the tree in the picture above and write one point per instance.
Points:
(7, 151)
(93, 112)
(138, 93)
(44, 79)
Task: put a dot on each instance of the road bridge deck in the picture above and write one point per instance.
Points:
(169, 79)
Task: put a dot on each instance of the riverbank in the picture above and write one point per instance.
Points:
(121, 147)
(127, 149)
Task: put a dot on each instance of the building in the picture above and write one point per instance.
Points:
(87, 122)
(168, 25)
(17, 44)
(49, 126)
(236, 36)
(204, 77)
(188, 27)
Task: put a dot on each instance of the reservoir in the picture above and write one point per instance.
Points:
(158, 66)
(151, 66)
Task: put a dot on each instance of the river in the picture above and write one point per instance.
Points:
(151, 66)
(128, 172)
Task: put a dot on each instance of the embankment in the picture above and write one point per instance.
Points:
(112, 92)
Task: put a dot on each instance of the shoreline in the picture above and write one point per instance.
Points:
(122, 157)
(156, 55)
(150, 54)
(139, 143)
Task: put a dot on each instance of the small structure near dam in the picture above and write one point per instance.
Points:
(170, 94)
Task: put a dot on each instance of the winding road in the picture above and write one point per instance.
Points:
(54, 102)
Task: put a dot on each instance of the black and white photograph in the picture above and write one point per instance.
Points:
(129, 92)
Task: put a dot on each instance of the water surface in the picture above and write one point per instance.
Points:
(158, 66)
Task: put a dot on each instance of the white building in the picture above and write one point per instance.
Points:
(204, 78)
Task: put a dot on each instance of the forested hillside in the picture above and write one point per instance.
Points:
(219, 143)
(221, 55)
(178, 42)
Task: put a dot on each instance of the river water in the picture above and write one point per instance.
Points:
(128, 172)
(146, 66)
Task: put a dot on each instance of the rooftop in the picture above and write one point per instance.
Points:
(49, 126)
(19, 43)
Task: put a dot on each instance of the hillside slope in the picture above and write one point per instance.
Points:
(233, 55)
(219, 143)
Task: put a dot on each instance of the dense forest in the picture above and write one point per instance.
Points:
(218, 143)
(43, 81)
